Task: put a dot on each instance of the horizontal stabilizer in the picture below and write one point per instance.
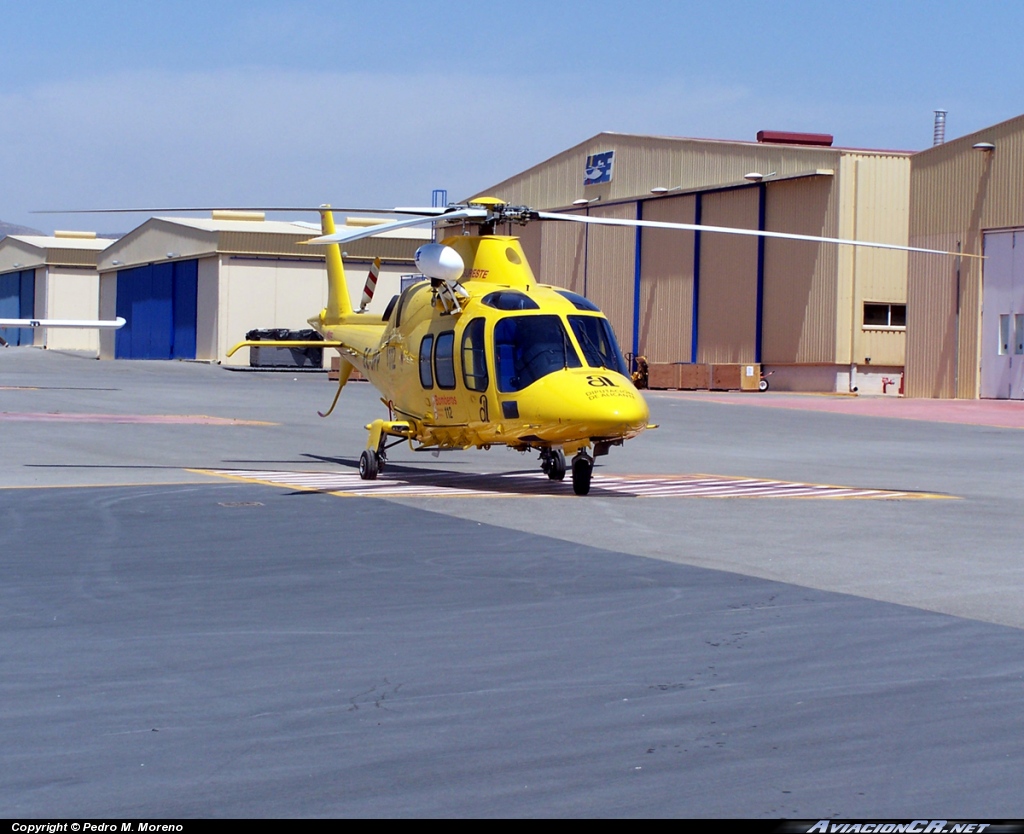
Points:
(283, 343)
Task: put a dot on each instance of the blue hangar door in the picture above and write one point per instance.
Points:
(18, 301)
(158, 302)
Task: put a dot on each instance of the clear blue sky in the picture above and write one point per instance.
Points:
(115, 104)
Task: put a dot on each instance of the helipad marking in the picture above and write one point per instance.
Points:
(432, 484)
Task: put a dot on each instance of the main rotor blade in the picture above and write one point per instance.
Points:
(359, 232)
(424, 211)
(111, 324)
(728, 230)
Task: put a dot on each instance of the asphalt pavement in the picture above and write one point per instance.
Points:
(182, 637)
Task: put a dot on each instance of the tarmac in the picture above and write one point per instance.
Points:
(204, 615)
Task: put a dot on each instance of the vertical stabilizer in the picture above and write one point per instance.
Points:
(339, 304)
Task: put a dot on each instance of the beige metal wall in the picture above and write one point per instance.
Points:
(68, 293)
(727, 306)
(563, 254)
(644, 162)
(254, 294)
(666, 282)
(813, 293)
(611, 268)
(875, 205)
(531, 238)
(108, 310)
(799, 317)
(956, 193)
(207, 310)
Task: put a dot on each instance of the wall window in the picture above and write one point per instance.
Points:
(884, 315)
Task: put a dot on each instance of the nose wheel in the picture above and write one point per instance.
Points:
(552, 463)
(370, 464)
(582, 470)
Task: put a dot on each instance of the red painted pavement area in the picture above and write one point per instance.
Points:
(163, 419)
(1000, 413)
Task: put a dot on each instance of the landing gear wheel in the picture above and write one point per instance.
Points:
(762, 385)
(369, 465)
(556, 465)
(582, 470)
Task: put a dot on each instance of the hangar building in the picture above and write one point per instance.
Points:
(822, 317)
(966, 320)
(191, 288)
(55, 277)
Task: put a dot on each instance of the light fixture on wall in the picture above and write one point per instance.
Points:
(984, 146)
(757, 176)
(583, 201)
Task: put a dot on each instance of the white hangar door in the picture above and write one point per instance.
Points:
(1002, 316)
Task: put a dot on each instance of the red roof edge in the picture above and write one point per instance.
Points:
(784, 137)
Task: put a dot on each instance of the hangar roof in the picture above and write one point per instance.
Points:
(77, 249)
(177, 238)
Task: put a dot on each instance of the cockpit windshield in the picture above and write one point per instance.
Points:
(598, 342)
(527, 348)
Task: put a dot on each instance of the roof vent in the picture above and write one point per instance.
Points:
(366, 221)
(785, 137)
(76, 235)
(227, 214)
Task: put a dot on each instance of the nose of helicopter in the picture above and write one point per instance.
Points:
(585, 402)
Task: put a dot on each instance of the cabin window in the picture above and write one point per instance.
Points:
(579, 301)
(527, 348)
(509, 300)
(403, 299)
(474, 356)
(444, 359)
(426, 373)
(598, 342)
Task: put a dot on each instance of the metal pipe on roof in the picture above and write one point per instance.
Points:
(939, 133)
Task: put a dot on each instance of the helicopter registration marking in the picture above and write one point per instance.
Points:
(440, 484)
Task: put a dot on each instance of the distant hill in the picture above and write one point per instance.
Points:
(14, 229)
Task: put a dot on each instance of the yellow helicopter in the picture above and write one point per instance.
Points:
(480, 353)
(483, 354)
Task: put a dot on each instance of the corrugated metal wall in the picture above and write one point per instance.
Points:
(875, 205)
(799, 276)
(727, 305)
(666, 281)
(644, 162)
(563, 258)
(956, 192)
(813, 295)
(611, 257)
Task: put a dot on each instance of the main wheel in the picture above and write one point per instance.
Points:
(582, 469)
(369, 466)
(556, 465)
(762, 385)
